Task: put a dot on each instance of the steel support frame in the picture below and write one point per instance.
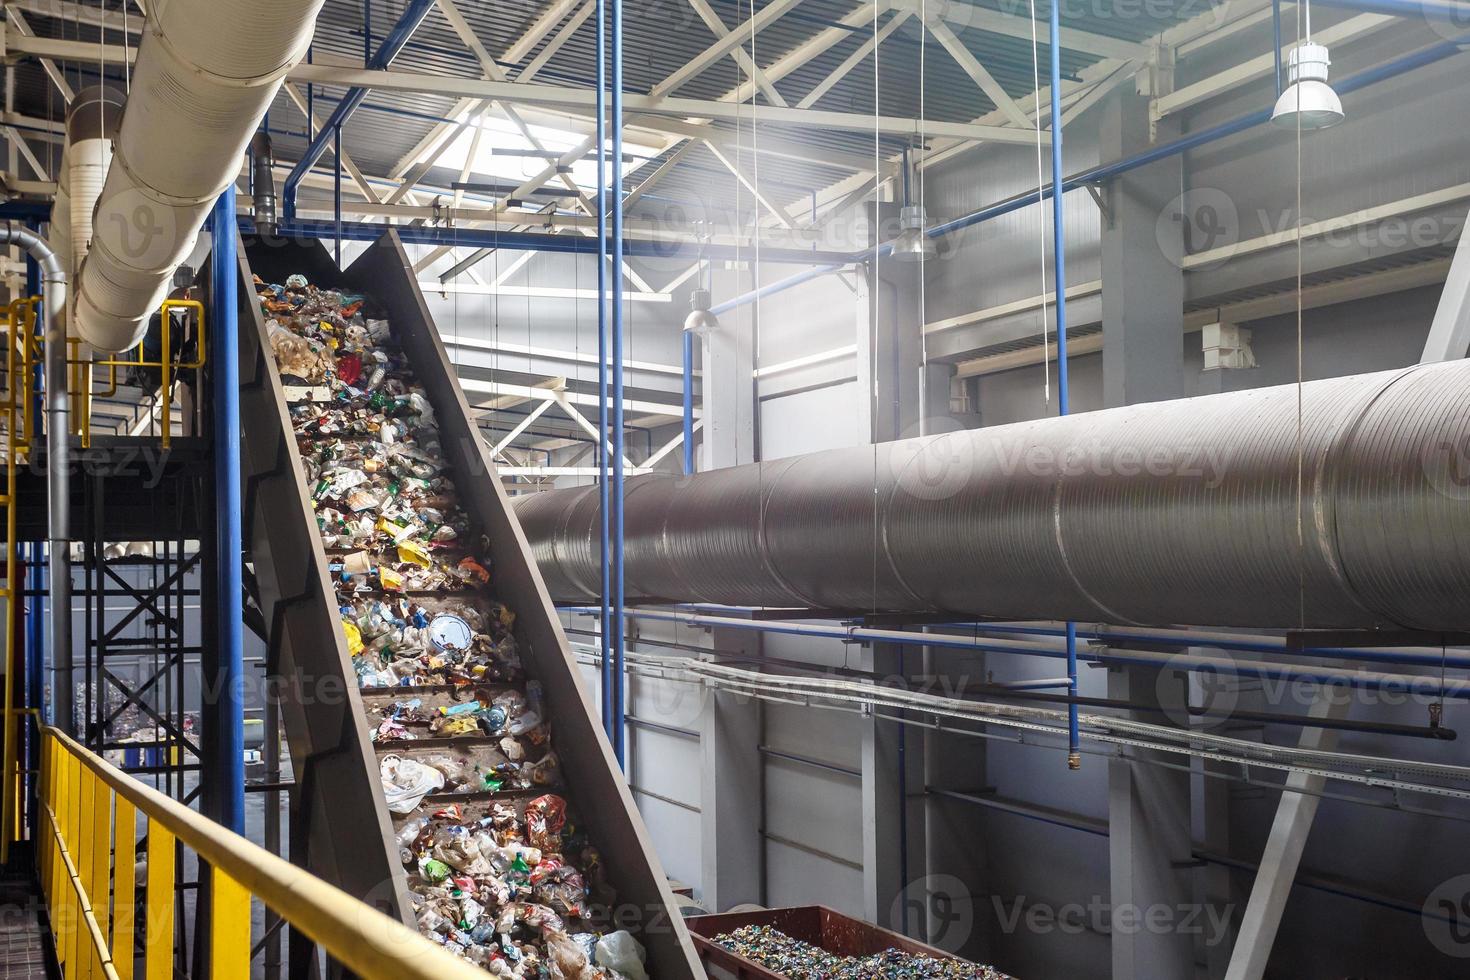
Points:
(393, 43)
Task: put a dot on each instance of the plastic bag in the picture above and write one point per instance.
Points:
(406, 782)
(621, 952)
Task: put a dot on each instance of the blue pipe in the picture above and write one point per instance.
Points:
(604, 464)
(781, 284)
(1059, 279)
(616, 273)
(1365, 654)
(413, 16)
(1116, 637)
(1418, 684)
(688, 403)
(228, 759)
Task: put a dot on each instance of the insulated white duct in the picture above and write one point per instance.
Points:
(92, 123)
(206, 73)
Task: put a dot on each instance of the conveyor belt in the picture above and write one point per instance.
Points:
(341, 827)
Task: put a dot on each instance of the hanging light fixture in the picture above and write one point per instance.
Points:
(912, 244)
(1308, 101)
(700, 320)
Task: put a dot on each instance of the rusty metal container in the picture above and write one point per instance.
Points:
(816, 924)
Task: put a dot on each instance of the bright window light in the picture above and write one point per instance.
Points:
(506, 156)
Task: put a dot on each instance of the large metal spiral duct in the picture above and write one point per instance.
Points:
(1177, 512)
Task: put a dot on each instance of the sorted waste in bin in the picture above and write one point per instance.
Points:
(500, 870)
(800, 960)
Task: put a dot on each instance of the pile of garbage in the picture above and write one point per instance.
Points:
(500, 871)
(800, 960)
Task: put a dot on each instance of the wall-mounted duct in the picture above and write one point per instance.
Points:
(197, 99)
(1178, 512)
(92, 124)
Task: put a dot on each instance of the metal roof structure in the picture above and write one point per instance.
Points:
(976, 61)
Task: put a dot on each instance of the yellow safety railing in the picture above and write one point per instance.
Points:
(103, 927)
(20, 328)
(82, 370)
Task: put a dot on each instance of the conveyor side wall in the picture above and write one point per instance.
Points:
(596, 788)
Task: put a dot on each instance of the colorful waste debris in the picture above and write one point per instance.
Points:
(501, 872)
(799, 960)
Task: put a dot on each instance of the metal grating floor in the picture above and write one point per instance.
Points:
(22, 944)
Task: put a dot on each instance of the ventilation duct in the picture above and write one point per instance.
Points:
(92, 124)
(197, 99)
(1182, 512)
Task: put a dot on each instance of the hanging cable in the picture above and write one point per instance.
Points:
(923, 257)
(1301, 468)
(1040, 200)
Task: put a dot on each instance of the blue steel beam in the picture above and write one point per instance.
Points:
(393, 43)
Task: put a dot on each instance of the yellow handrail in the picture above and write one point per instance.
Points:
(165, 365)
(79, 790)
(20, 318)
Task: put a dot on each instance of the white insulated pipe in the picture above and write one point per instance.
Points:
(197, 98)
(92, 123)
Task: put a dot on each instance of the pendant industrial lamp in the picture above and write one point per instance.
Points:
(912, 244)
(700, 320)
(1308, 101)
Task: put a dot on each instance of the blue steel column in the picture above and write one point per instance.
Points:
(1059, 260)
(616, 275)
(226, 777)
(604, 463)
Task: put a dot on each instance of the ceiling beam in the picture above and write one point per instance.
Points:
(572, 97)
(752, 70)
(978, 73)
(723, 46)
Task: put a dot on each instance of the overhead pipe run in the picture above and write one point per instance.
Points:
(92, 123)
(195, 106)
(1182, 512)
(58, 461)
(1419, 685)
